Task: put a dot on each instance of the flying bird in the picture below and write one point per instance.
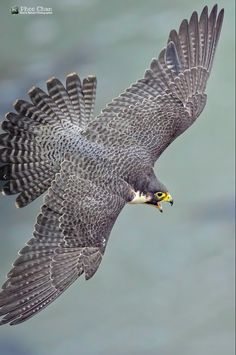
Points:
(91, 167)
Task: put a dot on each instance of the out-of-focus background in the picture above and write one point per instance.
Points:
(166, 283)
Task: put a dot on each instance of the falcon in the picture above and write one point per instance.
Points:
(91, 167)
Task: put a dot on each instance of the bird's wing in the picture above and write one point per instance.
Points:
(156, 109)
(69, 239)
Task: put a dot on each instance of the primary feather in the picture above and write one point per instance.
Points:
(93, 167)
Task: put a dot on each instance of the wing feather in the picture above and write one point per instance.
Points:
(84, 200)
(89, 93)
(173, 88)
(69, 238)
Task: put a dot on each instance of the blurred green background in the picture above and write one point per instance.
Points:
(166, 283)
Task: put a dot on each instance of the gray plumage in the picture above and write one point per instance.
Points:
(91, 168)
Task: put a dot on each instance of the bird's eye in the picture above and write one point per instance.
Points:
(160, 194)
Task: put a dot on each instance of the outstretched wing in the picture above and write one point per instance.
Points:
(69, 239)
(162, 105)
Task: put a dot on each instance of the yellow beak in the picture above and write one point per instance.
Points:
(168, 198)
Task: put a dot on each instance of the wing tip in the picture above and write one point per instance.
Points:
(221, 15)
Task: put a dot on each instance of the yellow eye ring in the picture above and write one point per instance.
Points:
(159, 194)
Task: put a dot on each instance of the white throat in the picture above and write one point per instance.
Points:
(140, 198)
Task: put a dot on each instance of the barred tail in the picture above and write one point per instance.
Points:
(41, 132)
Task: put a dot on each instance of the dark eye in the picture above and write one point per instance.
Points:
(159, 194)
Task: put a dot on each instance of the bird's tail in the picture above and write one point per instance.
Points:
(37, 137)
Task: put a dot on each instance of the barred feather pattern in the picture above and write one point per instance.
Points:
(41, 132)
(69, 239)
(174, 86)
(93, 166)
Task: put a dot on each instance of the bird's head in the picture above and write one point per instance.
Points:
(157, 193)
(160, 196)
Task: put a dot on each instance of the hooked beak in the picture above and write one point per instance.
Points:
(166, 198)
